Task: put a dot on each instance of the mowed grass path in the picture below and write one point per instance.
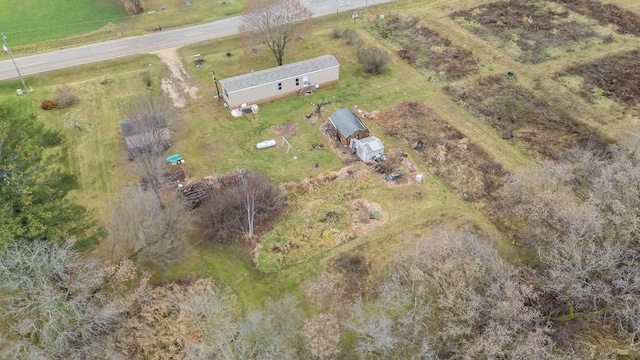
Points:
(34, 21)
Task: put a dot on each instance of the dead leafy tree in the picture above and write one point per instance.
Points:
(274, 23)
(246, 200)
(132, 7)
(321, 336)
(322, 332)
(452, 297)
(194, 320)
(146, 230)
(583, 217)
(147, 137)
(49, 308)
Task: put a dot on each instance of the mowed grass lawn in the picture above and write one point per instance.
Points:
(35, 21)
(45, 25)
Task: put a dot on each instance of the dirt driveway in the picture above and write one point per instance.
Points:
(178, 85)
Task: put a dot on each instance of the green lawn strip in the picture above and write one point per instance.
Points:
(36, 21)
(80, 22)
(229, 265)
(176, 13)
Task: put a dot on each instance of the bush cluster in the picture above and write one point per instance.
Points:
(65, 98)
(374, 59)
(47, 105)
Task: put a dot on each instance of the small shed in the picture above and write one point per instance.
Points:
(348, 126)
(367, 148)
(142, 135)
(273, 83)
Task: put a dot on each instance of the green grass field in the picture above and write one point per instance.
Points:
(42, 25)
(35, 21)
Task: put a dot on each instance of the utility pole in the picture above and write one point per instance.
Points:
(215, 81)
(6, 48)
(366, 10)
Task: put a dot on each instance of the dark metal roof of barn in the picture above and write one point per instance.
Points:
(346, 122)
(272, 75)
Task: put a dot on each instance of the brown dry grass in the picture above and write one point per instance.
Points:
(517, 113)
(626, 21)
(425, 48)
(525, 27)
(616, 77)
(449, 154)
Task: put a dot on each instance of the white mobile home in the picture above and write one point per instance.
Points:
(273, 83)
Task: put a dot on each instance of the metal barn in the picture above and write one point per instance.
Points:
(269, 84)
(348, 126)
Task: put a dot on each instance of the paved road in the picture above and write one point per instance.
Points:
(160, 40)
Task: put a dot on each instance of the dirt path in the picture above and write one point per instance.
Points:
(178, 84)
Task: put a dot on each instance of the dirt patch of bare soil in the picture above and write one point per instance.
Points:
(626, 21)
(424, 48)
(517, 114)
(366, 216)
(288, 129)
(616, 77)
(178, 83)
(450, 155)
(526, 28)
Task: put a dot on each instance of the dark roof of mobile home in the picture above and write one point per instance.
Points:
(346, 122)
(272, 75)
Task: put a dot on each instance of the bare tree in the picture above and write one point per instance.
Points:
(274, 23)
(143, 230)
(583, 217)
(273, 333)
(452, 296)
(48, 306)
(147, 137)
(244, 201)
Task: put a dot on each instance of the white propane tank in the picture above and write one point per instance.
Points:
(266, 144)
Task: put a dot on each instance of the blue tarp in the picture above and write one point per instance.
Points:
(173, 159)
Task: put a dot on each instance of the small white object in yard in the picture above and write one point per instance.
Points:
(419, 178)
(295, 158)
(151, 12)
(381, 17)
(266, 144)
(359, 111)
